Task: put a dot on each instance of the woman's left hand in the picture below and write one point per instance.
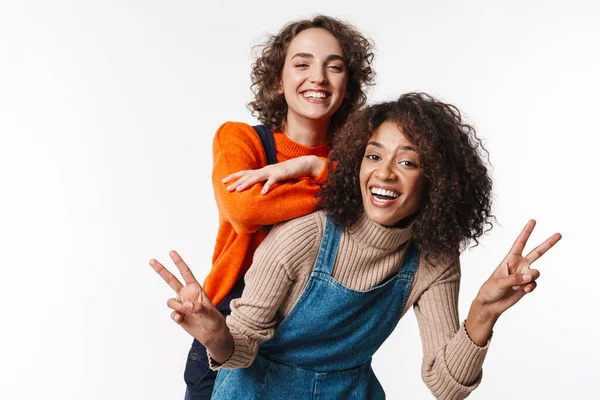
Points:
(299, 167)
(514, 277)
(512, 280)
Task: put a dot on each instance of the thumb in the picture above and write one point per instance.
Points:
(202, 306)
(192, 307)
(514, 280)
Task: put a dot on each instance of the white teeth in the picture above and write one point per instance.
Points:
(383, 192)
(314, 95)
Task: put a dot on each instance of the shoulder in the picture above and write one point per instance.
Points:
(295, 243)
(299, 231)
(439, 267)
(236, 131)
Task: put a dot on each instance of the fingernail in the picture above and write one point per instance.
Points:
(188, 305)
(526, 277)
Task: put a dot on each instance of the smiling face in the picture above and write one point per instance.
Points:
(391, 179)
(314, 76)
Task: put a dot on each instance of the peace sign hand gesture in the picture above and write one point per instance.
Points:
(194, 311)
(509, 282)
(514, 277)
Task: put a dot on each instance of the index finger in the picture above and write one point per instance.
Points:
(167, 276)
(519, 245)
(183, 268)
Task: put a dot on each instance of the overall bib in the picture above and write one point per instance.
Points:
(323, 348)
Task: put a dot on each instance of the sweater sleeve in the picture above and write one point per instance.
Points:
(237, 147)
(452, 363)
(289, 250)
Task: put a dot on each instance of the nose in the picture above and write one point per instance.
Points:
(318, 76)
(385, 171)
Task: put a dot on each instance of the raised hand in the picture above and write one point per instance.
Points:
(509, 282)
(193, 310)
(299, 167)
(514, 277)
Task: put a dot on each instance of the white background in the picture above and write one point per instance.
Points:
(107, 113)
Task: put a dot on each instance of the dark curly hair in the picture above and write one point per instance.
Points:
(456, 205)
(270, 107)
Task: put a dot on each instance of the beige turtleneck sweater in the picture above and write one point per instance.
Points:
(368, 254)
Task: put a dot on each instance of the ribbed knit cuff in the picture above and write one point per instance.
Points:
(464, 358)
(241, 357)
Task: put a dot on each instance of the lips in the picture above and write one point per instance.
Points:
(316, 94)
(383, 197)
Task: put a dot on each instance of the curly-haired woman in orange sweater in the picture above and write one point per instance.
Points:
(308, 79)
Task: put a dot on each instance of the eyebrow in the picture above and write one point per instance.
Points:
(330, 57)
(377, 144)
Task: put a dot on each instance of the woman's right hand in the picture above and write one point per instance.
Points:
(193, 310)
(299, 167)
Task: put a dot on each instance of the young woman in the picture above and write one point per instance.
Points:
(308, 79)
(408, 191)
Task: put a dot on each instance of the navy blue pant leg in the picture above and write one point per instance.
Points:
(199, 378)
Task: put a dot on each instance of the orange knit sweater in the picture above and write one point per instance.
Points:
(236, 147)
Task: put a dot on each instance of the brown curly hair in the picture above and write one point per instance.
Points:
(456, 205)
(270, 107)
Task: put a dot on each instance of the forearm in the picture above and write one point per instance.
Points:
(455, 369)
(451, 361)
(250, 209)
(480, 323)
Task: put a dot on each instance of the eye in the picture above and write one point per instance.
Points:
(373, 157)
(409, 164)
(301, 65)
(336, 68)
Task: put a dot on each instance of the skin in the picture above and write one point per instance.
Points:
(388, 159)
(391, 163)
(314, 63)
(509, 282)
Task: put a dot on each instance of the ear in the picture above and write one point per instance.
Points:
(280, 87)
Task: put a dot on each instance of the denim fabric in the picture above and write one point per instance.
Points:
(199, 378)
(323, 348)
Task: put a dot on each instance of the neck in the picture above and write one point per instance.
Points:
(307, 132)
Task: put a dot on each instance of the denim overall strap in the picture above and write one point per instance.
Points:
(329, 247)
(411, 262)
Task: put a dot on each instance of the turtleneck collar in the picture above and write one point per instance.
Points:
(370, 234)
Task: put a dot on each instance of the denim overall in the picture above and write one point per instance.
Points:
(323, 348)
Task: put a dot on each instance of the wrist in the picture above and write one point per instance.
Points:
(220, 346)
(317, 166)
(480, 322)
(482, 312)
